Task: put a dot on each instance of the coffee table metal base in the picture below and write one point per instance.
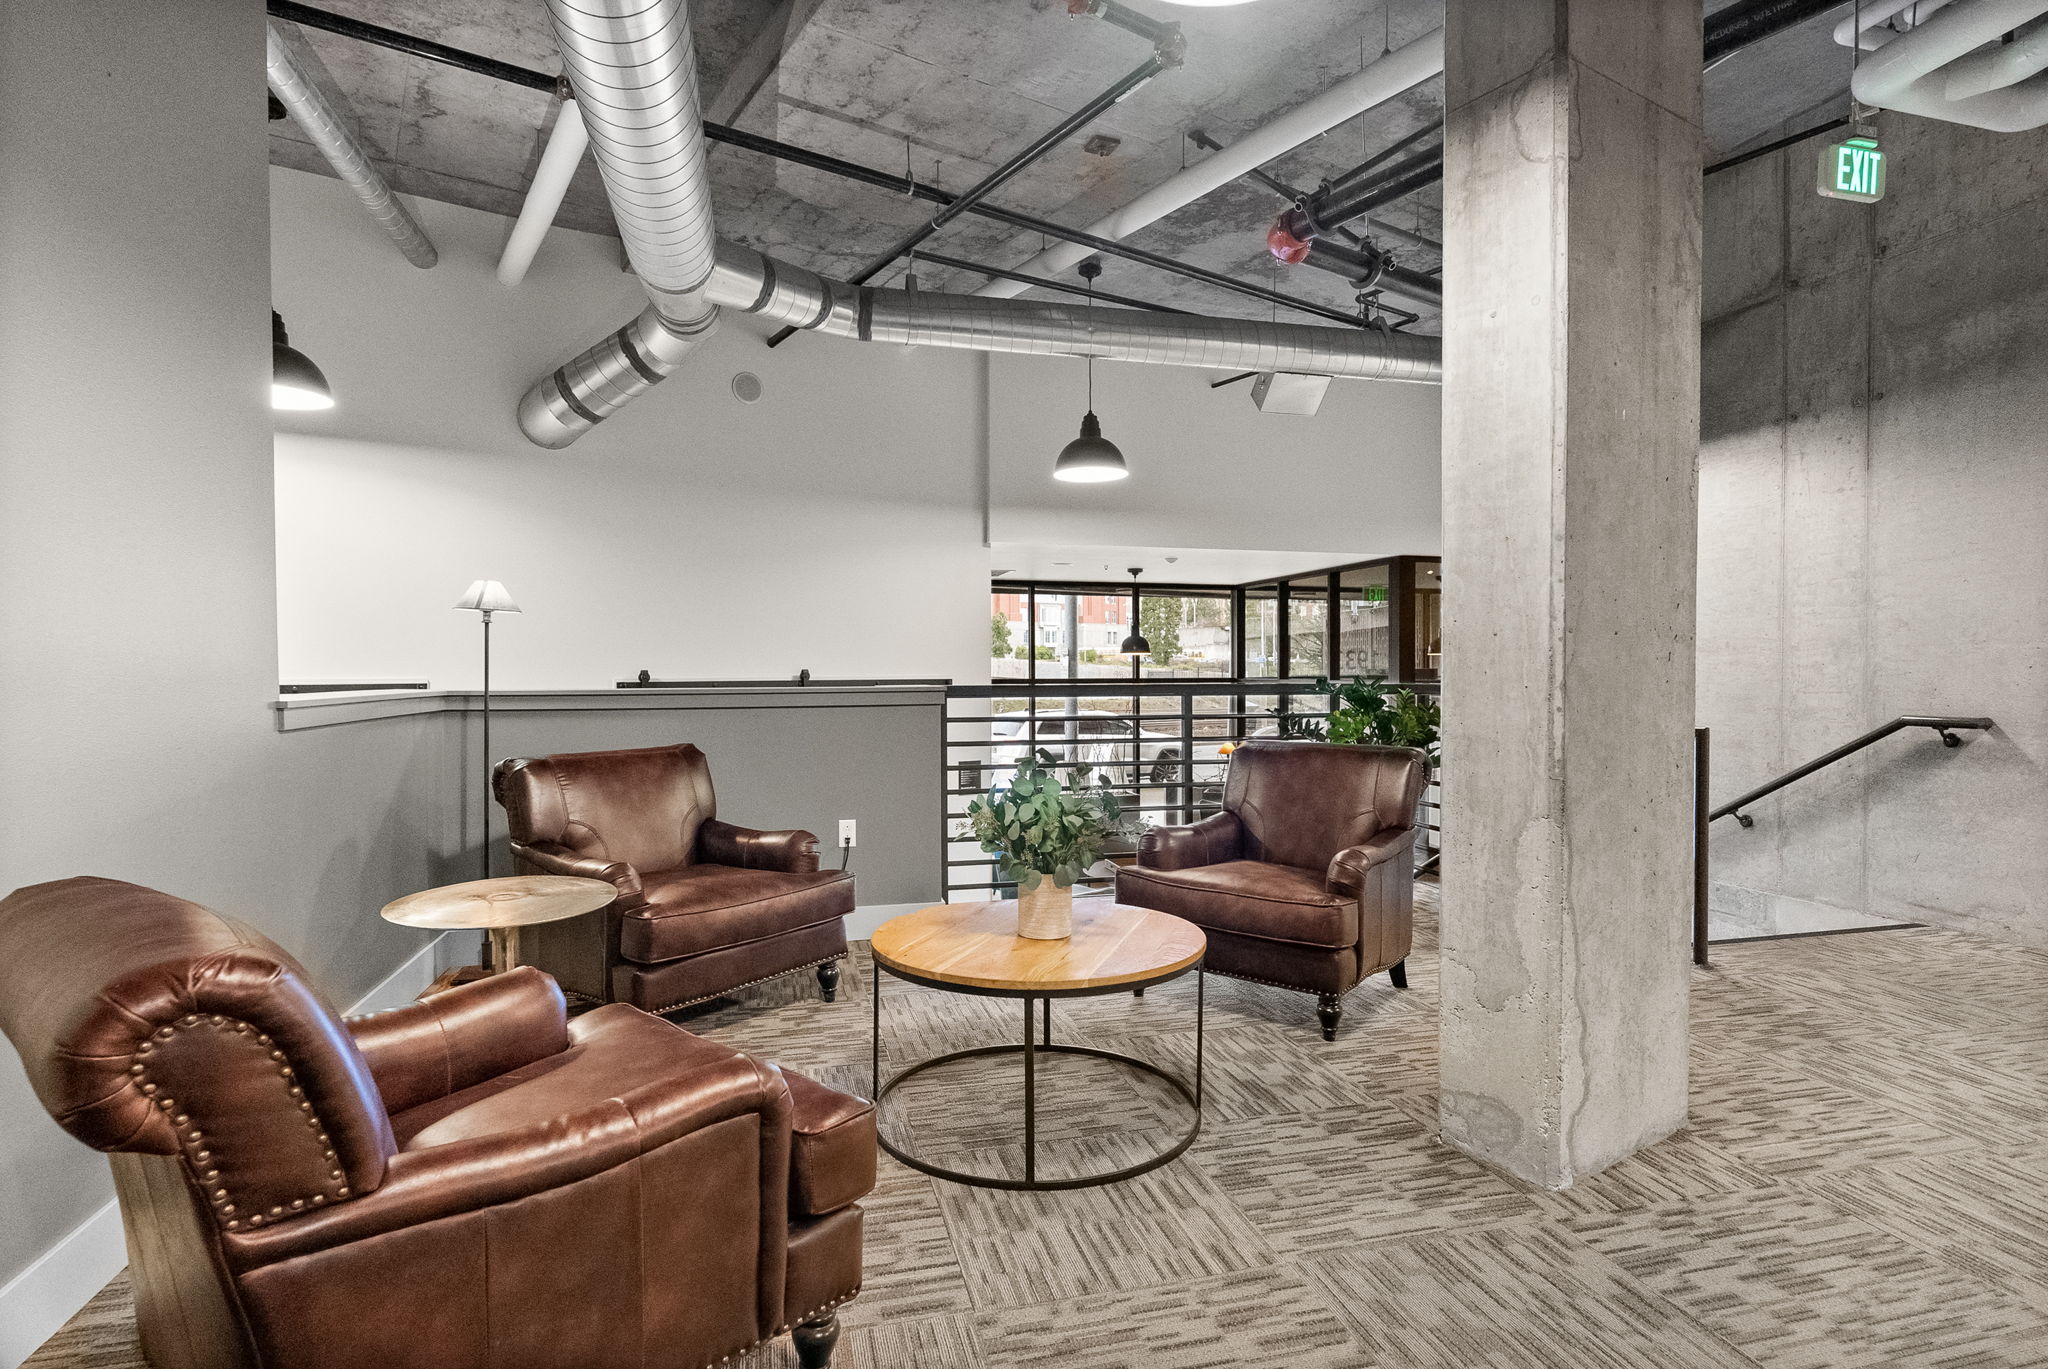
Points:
(1031, 1049)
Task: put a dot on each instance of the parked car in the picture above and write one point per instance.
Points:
(1104, 741)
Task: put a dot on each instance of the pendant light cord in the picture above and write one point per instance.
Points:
(1091, 344)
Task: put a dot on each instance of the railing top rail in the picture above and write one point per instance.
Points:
(1149, 688)
(1947, 726)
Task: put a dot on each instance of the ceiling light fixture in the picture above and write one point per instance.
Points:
(1135, 644)
(295, 382)
(1091, 458)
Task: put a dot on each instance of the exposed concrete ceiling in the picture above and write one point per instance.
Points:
(945, 90)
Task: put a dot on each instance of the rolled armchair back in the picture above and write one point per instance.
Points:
(1300, 803)
(642, 807)
(151, 1025)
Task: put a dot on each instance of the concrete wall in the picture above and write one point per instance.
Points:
(1874, 526)
(834, 525)
(138, 625)
(1359, 478)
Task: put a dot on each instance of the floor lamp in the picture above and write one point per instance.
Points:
(487, 597)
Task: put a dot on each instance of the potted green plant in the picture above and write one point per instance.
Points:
(1044, 836)
(1365, 711)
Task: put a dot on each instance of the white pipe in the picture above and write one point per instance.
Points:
(1996, 68)
(1378, 83)
(558, 163)
(1876, 15)
(1910, 73)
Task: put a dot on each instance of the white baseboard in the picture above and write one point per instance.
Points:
(35, 1304)
(862, 921)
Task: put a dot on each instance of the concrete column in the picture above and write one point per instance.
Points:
(1571, 434)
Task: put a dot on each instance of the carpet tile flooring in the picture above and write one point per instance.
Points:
(1864, 1182)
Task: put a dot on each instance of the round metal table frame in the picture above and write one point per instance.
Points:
(1031, 1049)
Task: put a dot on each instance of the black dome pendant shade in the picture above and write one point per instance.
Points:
(295, 382)
(1135, 644)
(1091, 458)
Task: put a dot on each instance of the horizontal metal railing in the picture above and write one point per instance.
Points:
(1158, 743)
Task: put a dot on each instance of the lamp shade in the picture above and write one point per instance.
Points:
(487, 596)
(1090, 458)
(1135, 645)
(295, 382)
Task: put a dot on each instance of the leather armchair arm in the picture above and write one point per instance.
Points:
(462, 1037)
(1214, 839)
(1350, 866)
(793, 852)
(554, 859)
(464, 1176)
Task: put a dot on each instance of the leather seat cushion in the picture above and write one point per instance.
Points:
(612, 1051)
(832, 1152)
(698, 908)
(1249, 898)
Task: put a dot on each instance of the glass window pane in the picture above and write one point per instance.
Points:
(1308, 621)
(1189, 636)
(1427, 618)
(1056, 627)
(1261, 631)
(1363, 644)
(1007, 631)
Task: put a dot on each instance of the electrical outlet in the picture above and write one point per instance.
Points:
(846, 832)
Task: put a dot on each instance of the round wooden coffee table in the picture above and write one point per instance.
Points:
(501, 907)
(975, 949)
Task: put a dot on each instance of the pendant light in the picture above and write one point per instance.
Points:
(1090, 458)
(1135, 644)
(295, 382)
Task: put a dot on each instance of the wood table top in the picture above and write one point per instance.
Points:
(976, 945)
(513, 901)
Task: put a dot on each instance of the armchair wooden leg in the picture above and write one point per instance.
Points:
(1137, 993)
(814, 1340)
(1330, 1008)
(1399, 974)
(828, 980)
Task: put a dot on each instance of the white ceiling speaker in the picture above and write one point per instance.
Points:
(746, 387)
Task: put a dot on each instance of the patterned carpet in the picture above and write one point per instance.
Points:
(1865, 1183)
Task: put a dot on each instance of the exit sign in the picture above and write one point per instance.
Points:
(1853, 169)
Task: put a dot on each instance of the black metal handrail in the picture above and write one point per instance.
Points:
(1947, 727)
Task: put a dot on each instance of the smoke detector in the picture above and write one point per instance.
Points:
(1101, 145)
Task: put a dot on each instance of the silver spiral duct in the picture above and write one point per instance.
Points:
(634, 78)
(310, 110)
(633, 68)
(748, 281)
(634, 71)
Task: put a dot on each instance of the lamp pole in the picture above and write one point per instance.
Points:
(487, 597)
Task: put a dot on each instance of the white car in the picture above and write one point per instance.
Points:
(1105, 741)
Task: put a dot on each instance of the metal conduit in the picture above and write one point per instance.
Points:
(310, 110)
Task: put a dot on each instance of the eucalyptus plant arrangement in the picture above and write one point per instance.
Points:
(1365, 711)
(1038, 828)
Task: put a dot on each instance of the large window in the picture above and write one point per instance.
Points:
(1375, 618)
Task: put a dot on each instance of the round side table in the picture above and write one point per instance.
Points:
(975, 949)
(500, 907)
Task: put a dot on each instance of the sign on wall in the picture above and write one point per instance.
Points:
(1853, 169)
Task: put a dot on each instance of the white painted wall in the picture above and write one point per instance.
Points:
(137, 604)
(1360, 478)
(834, 525)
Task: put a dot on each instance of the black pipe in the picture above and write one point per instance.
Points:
(407, 43)
(1100, 296)
(1355, 174)
(884, 180)
(973, 195)
(1739, 158)
(1736, 27)
(1370, 268)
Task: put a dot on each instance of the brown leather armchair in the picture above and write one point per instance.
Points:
(472, 1182)
(704, 907)
(1306, 879)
